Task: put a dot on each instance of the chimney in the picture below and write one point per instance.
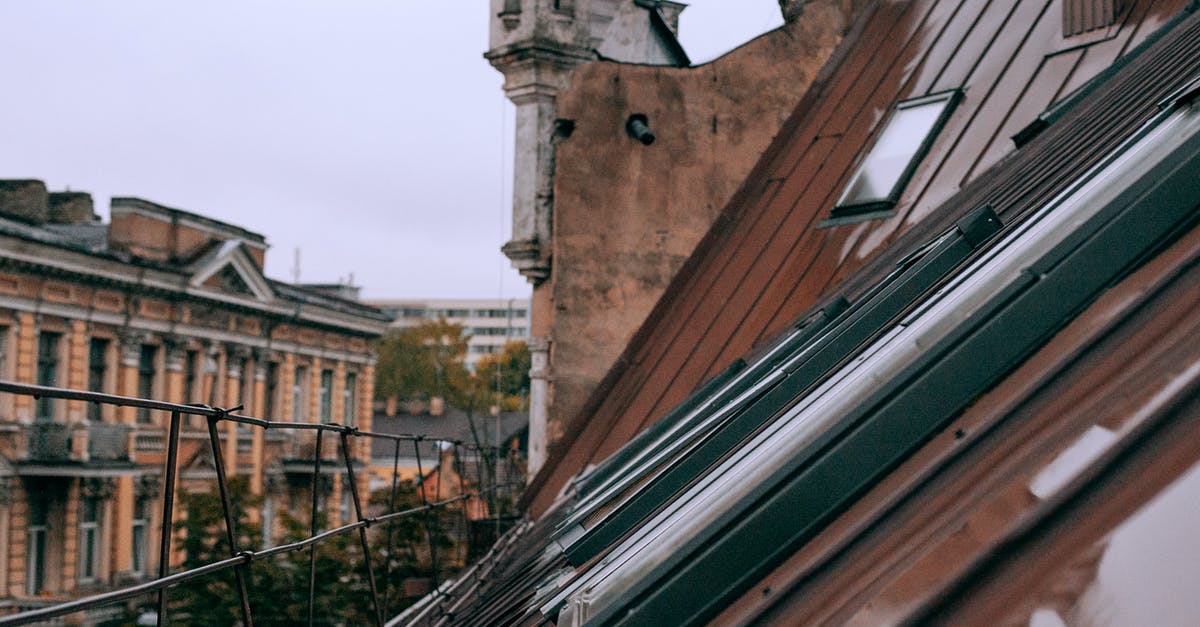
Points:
(25, 200)
(152, 231)
(71, 208)
(437, 405)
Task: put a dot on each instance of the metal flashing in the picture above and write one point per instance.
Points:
(914, 277)
(676, 418)
(708, 408)
(1182, 97)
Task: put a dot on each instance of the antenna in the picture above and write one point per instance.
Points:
(296, 267)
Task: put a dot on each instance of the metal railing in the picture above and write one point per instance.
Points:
(487, 487)
(48, 441)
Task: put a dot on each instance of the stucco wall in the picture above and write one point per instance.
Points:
(627, 215)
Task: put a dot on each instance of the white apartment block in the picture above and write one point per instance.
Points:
(490, 322)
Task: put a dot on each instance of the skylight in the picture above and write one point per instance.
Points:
(882, 175)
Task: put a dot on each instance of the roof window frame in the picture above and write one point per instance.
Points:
(846, 211)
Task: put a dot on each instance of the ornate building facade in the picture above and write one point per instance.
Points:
(165, 304)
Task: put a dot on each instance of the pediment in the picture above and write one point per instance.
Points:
(231, 270)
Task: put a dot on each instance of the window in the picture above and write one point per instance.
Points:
(272, 390)
(47, 372)
(97, 373)
(189, 378)
(883, 173)
(89, 539)
(326, 396)
(141, 521)
(300, 394)
(351, 404)
(146, 379)
(246, 393)
(35, 534)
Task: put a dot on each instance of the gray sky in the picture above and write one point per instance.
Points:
(369, 134)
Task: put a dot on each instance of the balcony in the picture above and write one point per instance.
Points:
(54, 443)
(48, 442)
(150, 441)
(300, 453)
(107, 442)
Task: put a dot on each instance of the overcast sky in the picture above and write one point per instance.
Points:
(368, 134)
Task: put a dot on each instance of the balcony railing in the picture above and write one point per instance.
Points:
(50, 442)
(150, 441)
(107, 442)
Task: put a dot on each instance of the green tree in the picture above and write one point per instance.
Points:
(422, 361)
(506, 375)
(278, 587)
(204, 540)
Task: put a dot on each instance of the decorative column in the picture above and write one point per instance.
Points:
(366, 395)
(539, 388)
(69, 559)
(76, 379)
(314, 391)
(127, 385)
(6, 503)
(258, 408)
(26, 364)
(77, 368)
(338, 402)
(364, 402)
(18, 519)
(235, 362)
(287, 382)
(127, 372)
